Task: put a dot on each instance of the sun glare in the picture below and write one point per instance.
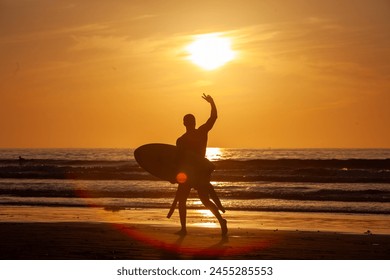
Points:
(210, 51)
(213, 154)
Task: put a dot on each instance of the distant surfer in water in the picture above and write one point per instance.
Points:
(194, 141)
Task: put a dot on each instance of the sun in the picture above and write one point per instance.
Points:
(210, 51)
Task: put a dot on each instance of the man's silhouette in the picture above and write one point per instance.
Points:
(194, 141)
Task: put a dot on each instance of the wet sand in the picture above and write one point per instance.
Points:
(124, 241)
(88, 233)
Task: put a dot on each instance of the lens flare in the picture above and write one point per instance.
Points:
(181, 177)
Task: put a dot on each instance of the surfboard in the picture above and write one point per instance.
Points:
(166, 161)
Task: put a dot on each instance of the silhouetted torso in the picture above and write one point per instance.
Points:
(195, 140)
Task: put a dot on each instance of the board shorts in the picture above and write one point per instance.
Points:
(197, 170)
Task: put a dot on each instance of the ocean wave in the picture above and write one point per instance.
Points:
(263, 205)
(227, 192)
(279, 170)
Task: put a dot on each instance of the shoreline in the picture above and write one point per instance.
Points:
(60, 233)
(290, 221)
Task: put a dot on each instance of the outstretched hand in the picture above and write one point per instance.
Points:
(208, 98)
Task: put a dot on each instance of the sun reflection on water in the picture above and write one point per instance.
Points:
(205, 213)
(214, 154)
(204, 218)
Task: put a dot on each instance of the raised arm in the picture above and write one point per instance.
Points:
(213, 114)
(210, 100)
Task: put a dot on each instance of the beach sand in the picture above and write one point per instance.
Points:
(70, 233)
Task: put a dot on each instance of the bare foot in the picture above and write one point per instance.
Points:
(181, 232)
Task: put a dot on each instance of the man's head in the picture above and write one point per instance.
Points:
(189, 121)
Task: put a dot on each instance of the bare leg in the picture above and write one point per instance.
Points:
(183, 192)
(205, 180)
(204, 197)
(215, 198)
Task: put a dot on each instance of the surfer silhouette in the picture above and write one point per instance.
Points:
(194, 142)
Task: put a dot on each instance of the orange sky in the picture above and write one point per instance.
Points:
(116, 73)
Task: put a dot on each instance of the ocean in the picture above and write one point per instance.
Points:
(350, 181)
